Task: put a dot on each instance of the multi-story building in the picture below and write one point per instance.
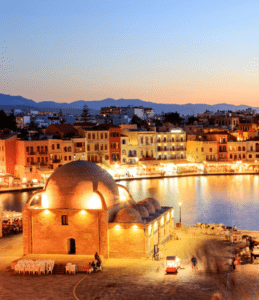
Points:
(221, 138)
(171, 145)
(30, 156)
(237, 150)
(110, 110)
(22, 122)
(103, 143)
(7, 153)
(129, 151)
(199, 150)
(63, 130)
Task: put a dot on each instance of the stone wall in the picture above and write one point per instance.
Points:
(127, 240)
(45, 234)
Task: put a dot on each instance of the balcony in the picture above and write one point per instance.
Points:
(132, 155)
(42, 152)
(223, 150)
(80, 149)
(31, 153)
(55, 161)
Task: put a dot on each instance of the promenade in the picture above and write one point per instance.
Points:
(138, 278)
(22, 187)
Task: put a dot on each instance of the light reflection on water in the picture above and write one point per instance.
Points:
(208, 199)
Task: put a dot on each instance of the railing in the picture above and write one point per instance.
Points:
(55, 160)
(132, 155)
(31, 153)
(77, 150)
(42, 152)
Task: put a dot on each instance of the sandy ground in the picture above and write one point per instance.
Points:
(138, 278)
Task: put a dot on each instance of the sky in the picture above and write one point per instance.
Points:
(200, 51)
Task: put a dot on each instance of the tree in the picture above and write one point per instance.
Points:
(85, 113)
(191, 120)
(173, 118)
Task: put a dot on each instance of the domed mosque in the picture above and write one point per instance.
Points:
(82, 211)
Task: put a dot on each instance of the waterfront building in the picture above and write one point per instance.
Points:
(201, 150)
(237, 150)
(171, 145)
(129, 150)
(83, 211)
(103, 143)
(31, 155)
(221, 138)
(7, 152)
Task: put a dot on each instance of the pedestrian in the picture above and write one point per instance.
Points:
(194, 262)
(234, 263)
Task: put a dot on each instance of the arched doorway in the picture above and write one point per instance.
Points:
(71, 245)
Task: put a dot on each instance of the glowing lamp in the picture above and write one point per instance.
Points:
(134, 227)
(83, 212)
(44, 201)
(94, 202)
(117, 227)
(46, 212)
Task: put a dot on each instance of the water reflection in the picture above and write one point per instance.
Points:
(209, 199)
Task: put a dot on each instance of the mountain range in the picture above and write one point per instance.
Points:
(8, 102)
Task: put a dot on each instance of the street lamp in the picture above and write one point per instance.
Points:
(180, 212)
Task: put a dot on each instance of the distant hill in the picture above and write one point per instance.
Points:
(95, 106)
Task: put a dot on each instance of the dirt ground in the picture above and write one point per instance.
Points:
(139, 278)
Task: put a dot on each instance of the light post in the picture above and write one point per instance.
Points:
(180, 212)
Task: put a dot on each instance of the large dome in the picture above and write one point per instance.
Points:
(78, 185)
(128, 215)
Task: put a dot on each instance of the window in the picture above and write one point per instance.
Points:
(88, 147)
(101, 146)
(27, 149)
(210, 149)
(65, 149)
(38, 159)
(79, 145)
(65, 157)
(124, 142)
(58, 146)
(28, 160)
(202, 149)
(244, 156)
(105, 147)
(257, 156)
(106, 136)
(53, 146)
(46, 148)
(141, 140)
(64, 219)
(239, 148)
(231, 156)
(106, 157)
(46, 159)
(124, 160)
(251, 148)
(96, 147)
(69, 149)
(101, 136)
(38, 148)
(70, 157)
(93, 136)
(244, 149)
(124, 152)
(117, 146)
(250, 155)
(89, 136)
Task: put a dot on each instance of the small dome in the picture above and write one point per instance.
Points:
(141, 209)
(150, 208)
(128, 215)
(154, 202)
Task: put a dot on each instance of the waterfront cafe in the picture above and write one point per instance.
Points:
(184, 166)
(230, 167)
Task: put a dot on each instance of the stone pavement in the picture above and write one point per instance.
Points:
(138, 278)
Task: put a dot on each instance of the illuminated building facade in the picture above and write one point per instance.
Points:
(83, 211)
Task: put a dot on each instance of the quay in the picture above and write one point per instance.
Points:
(137, 278)
(20, 188)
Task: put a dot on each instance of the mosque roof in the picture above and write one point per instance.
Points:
(128, 215)
(154, 202)
(78, 184)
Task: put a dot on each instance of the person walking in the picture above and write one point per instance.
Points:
(194, 262)
(234, 264)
